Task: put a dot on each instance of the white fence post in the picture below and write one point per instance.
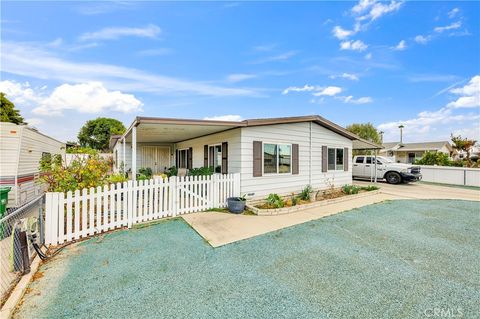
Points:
(236, 184)
(175, 191)
(130, 203)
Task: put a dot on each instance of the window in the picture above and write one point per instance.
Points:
(339, 161)
(359, 160)
(182, 158)
(215, 157)
(369, 160)
(335, 159)
(277, 158)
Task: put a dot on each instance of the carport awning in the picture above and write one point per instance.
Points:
(361, 144)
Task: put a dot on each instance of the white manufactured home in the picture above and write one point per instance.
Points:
(274, 155)
(21, 149)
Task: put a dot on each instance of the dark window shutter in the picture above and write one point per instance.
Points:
(224, 158)
(324, 158)
(211, 162)
(257, 158)
(295, 159)
(189, 158)
(177, 158)
(345, 159)
(205, 155)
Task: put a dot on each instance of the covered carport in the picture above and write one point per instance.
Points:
(364, 145)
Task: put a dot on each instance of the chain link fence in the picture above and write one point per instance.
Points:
(16, 252)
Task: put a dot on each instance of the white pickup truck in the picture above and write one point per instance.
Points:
(393, 173)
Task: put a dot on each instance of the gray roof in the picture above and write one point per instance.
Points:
(416, 146)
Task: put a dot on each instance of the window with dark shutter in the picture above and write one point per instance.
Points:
(257, 158)
(295, 159)
(224, 158)
(205, 156)
(177, 159)
(345, 159)
(189, 158)
(324, 158)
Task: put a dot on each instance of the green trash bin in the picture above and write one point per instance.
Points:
(3, 200)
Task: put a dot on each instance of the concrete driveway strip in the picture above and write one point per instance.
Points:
(222, 228)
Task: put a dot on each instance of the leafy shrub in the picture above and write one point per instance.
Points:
(275, 201)
(200, 171)
(117, 178)
(294, 200)
(146, 171)
(434, 158)
(81, 150)
(142, 177)
(370, 188)
(172, 171)
(306, 192)
(350, 189)
(81, 173)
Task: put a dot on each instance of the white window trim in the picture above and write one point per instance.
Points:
(208, 156)
(335, 162)
(186, 157)
(278, 154)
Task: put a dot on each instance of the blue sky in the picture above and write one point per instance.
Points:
(389, 63)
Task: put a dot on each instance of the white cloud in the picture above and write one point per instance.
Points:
(453, 13)
(375, 9)
(328, 91)
(34, 121)
(91, 97)
(401, 46)
(422, 39)
(452, 26)
(368, 56)
(361, 100)
(357, 45)
(305, 88)
(113, 33)
(469, 94)
(230, 117)
(31, 61)
(348, 76)
(275, 58)
(340, 33)
(237, 77)
(155, 52)
(439, 124)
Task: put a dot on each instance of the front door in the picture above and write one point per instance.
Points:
(156, 157)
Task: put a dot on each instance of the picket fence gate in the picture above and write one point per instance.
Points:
(80, 214)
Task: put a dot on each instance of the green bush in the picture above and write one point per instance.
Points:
(172, 171)
(117, 178)
(434, 158)
(200, 171)
(350, 189)
(146, 171)
(306, 192)
(370, 188)
(275, 201)
(81, 150)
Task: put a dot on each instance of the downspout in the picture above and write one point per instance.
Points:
(310, 161)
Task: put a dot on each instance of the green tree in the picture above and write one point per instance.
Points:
(8, 112)
(96, 133)
(366, 131)
(463, 144)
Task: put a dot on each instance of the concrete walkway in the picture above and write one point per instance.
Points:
(223, 228)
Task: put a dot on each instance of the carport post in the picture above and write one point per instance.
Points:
(123, 159)
(375, 165)
(134, 153)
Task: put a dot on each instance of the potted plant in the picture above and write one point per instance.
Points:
(236, 205)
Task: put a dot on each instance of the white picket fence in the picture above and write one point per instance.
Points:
(84, 213)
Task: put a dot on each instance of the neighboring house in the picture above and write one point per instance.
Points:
(409, 152)
(276, 155)
(474, 153)
(21, 149)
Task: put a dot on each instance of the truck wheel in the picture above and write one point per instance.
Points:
(393, 178)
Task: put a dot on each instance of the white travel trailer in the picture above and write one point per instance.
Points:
(21, 148)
